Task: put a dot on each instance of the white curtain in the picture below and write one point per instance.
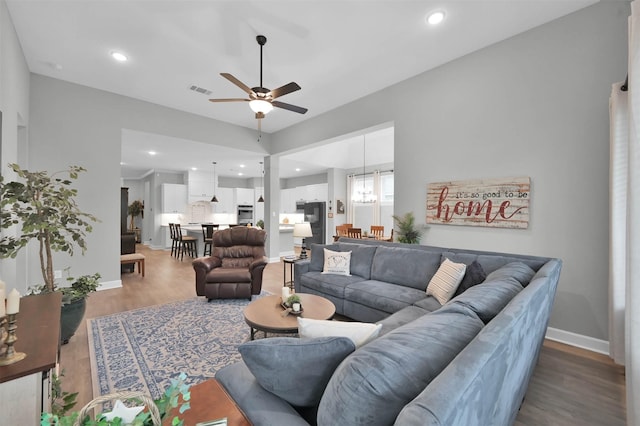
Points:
(624, 283)
(618, 183)
(632, 331)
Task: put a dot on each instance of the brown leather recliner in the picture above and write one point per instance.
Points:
(234, 269)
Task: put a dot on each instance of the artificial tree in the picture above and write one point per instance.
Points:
(136, 209)
(44, 207)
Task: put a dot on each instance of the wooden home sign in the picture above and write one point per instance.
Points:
(498, 203)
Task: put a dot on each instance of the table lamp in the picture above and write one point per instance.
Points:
(302, 230)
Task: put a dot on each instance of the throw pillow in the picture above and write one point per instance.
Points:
(337, 262)
(359, 332)
(446, 280)
(517, 270)
(296, 370)
(473, 276)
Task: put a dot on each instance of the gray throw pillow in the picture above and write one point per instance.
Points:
(296, 370)
(490, 297)
(473, 276)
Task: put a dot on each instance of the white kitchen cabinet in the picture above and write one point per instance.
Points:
(200, 186)
(244, 196)
(226, 201)
(174, 198)
(288, 200)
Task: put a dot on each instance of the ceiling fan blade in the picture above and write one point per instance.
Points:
(289, 107)
(287, 88)
(237, 82)
(230, 100)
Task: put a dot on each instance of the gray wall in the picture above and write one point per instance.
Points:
(534, 105)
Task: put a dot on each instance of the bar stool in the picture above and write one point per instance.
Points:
(207, 234)
(186, 243)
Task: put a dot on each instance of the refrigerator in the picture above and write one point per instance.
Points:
(315, 214)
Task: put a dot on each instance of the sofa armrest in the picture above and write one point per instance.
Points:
(257, 268)
(202, 266)
(299, 268)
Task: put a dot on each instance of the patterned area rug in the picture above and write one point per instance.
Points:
(143, 349)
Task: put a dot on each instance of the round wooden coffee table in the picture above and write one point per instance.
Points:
(265, 314)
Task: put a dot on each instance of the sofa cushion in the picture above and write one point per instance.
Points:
(375, 382)
(428, 303)
(402, 317)
(490, 297)
(296, 370)
(404, 266)
(317, 255)
(337, 262)
(261, 406)
(446, 280)
(359, 332)
(474, 275)
(361, 258)
(328, 283)
(382, 296)
(517, 270)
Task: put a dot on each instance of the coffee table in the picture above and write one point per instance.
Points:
(265, 314)
(209, 401)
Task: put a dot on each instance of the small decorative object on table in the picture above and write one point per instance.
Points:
(292, 305)
(8, 354)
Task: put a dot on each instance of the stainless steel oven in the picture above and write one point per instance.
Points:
(245, 214)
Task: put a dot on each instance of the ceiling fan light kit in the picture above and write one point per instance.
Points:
(262, 100)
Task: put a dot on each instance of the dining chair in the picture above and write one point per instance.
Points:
(207, 234)
(354, 232)
(186, 243)
(377, 231)
(390, 239)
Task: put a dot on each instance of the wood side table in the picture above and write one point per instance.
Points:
(209, 401)
(265, 314)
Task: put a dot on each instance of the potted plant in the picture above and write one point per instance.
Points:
(136, 209)
(408, 232)
(44, 207)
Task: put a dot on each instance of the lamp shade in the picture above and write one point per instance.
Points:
(302, 230)
(259, 105)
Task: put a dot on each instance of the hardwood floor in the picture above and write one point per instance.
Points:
(570, 386)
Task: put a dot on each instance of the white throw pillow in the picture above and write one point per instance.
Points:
(337, 262)
(446, 280)
(359, 332)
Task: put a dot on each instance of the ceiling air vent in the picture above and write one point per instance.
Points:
(201, 90)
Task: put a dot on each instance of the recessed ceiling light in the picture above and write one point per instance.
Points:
(242, 166)
(240, 174)
(194, 168)
(120, 57)
(297, 169)
(435, 18)
(152, 153)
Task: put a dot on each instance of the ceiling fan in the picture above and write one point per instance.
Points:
(262, 100)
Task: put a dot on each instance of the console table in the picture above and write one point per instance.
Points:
(25, 386)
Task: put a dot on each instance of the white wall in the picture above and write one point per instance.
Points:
(534, 105)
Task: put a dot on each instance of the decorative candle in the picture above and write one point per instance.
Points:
(285, 293)
(296, 307)
(13, 302)
(2, 310)
(3, 286)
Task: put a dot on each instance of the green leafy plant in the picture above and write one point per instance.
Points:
(294, 298)
(260, 224)
(45, 208)
(135, 209)
(61, 401)
(177, 395)
(407, 230)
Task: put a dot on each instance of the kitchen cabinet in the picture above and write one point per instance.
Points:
(174, 198)
(244, 197)
(288, 200)
(226, 201)
(200, 186)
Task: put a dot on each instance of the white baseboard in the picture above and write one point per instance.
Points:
(578, 340)
(110, 284)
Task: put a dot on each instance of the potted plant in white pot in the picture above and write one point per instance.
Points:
(43, 206)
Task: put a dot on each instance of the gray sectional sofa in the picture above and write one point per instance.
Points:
(467, 362)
